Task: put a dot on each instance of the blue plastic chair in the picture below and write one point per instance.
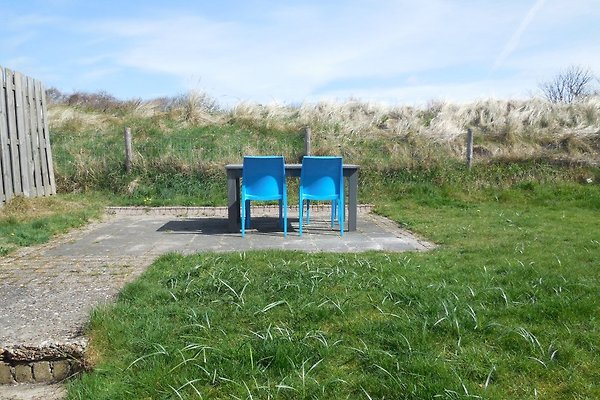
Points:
(321, 178)
(263, 178)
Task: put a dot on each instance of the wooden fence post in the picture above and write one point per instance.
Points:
(307, 148)
(469, 148)
(128, 150)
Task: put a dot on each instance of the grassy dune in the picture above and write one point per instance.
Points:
(189, 140)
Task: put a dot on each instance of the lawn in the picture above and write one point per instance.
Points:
(506, 307)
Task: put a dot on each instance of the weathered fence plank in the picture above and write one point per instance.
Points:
(22, 138)
(25, 155)
(13, 139)
(34, 135)
(6, 184)
(42, 141)
(46, 136)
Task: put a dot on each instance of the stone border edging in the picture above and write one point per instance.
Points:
(39, 371)
(207, 211)
(45, 351)
(47, 363)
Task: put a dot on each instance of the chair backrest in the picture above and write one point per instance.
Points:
(321, 175)
(263, 175)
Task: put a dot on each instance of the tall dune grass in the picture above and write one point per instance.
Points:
(505, 128)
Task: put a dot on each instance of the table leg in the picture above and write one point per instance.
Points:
(233, 204)
(352, 200)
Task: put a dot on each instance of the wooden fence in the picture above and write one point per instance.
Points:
(25, 155)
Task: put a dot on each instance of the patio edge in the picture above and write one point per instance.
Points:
(220, 211)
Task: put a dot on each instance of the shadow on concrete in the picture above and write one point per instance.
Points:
(218, 226)
(204, 226)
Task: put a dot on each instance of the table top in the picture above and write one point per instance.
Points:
(289, 166)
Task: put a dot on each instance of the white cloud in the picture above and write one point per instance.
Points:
(514, 40)
(419, 95)
(29, 21)
(18, 63)
(95, 74)
(293, 52)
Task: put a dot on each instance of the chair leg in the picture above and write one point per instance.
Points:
(333, 213)
(280, 213)
(307, 212)
(243, 217)
(285, 218)
(300, 215)
(341, 216)
(248, 208)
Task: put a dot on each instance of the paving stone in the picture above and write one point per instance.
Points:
(23, 373)
(41, 372)
(61, 370)
(6, 377)
(33, 391)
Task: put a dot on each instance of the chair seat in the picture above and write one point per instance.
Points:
(308, 196)
(263, 198)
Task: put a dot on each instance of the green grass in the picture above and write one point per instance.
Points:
(506, 307)
(27, 222)
(180, 149)
(183, 166)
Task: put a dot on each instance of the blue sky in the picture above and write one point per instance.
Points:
(398, 52)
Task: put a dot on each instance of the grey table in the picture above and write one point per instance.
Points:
(234, 176)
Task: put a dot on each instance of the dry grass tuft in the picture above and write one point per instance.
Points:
(75, 120)
(29, 209)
